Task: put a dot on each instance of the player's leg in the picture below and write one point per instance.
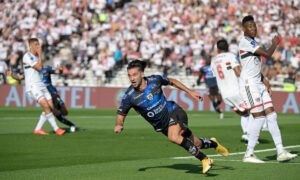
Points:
(180, 116)
(216, 99)
(252, 95)
(50, 115)
(274, 130)
(59, 105)
(174, 135)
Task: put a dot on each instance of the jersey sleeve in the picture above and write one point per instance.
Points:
(30, 60)
(124, 106)
(163, 81)
(248, 46)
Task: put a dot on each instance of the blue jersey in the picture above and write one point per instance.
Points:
(46, 78)
(151, 102)
(209, 78)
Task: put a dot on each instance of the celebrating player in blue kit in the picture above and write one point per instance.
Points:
(145, 95)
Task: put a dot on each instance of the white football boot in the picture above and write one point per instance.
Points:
(285, 156)
(252, 159)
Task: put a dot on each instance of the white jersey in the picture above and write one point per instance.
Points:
(222, 67)
(32, 76)
(250, 62)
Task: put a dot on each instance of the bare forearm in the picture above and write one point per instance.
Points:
(271, 50)
(120, 120)
(179, 85)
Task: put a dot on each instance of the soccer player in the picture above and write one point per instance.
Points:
(32, 64)
(256, 91)
(226, 69)
(145, 95)
(211, 84)
(60, 110)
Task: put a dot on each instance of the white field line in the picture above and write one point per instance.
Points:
(239, 153)
(266, 162)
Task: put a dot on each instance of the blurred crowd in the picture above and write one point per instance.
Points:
(170, 35)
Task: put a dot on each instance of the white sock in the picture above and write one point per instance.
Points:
(244, 123)
(275, 132)
(254, 129)
(41, 121)
(51, 120)
(265, 125)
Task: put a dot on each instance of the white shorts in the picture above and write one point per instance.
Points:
(256, 97)
(39, 93)
(236, 102)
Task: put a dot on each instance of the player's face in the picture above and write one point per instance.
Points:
(136, 77)
(250, 29)
(34, 46)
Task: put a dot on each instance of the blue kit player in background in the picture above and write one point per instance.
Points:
(60, 110)
(145, 95)
(211, 84)
(59, 105)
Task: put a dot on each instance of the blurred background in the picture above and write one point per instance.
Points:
(95, 39)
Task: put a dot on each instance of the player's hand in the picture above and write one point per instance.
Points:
(118, 128)
(196, 95)
(8, 72)
(60, 68)
(39, 50)
(21, 76)
(275, 40)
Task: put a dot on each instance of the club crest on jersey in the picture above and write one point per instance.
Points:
(253, 43)
(150, 96)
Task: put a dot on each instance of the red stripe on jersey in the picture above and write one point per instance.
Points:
(228, 63)
(255, 106)
(268, 102)
(241, 51)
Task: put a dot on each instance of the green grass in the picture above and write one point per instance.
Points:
(95, 152)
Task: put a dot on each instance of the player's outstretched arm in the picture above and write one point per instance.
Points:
(179, 85)
(119, 123)
(59, 69)
(268, 53)
(15, 76)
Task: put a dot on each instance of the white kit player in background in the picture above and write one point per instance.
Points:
(226, 69)
(36, 88)
(255, 90)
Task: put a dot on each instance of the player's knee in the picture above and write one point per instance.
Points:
(64, 111)
(174, 138)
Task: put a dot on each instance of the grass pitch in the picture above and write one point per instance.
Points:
(95, 152)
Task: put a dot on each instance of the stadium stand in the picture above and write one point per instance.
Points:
(95, 39)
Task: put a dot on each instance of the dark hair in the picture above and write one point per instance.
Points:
(31, 40)
(137, 63)
(222, 45)
(246, 19)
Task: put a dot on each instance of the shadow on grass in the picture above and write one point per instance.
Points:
(191, 168)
